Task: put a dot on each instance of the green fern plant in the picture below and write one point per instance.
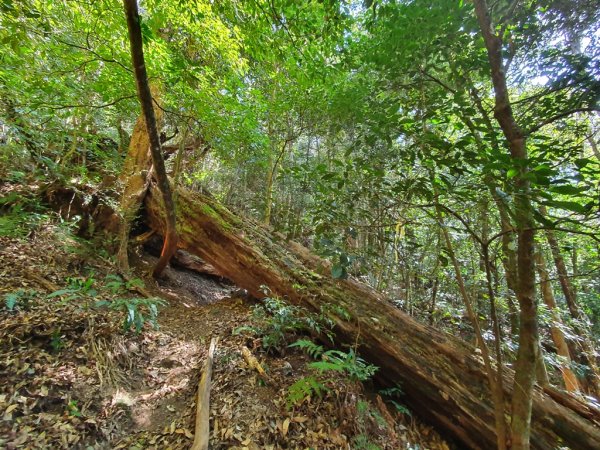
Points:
(309, 347)
(137, 311)
(277, 322)
(395, 392)
(19, 299)
(19, 215)
(349, 362)
(303, 389)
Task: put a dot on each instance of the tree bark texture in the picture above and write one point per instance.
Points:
(134, 178)
(443, 379)
(586, 352)
(558, 337)
(516, 141)
(145, 96)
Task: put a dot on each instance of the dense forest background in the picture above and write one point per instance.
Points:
(443, 152)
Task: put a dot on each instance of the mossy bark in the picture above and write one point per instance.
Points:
(443, 379)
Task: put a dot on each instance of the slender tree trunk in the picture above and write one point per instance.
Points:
(124, 138)
(145, 96)
(494, 378)
(433, 299)
(587, 352)
(541, 374)
(269, 194)
(558, 337)
(509, 258)
(594, 147)
(270, 183)
(528, 332)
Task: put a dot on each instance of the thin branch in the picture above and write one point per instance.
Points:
(559, 116)
(96, 54)
(104, 105)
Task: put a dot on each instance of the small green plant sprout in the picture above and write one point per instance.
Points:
(114, 283)
(19, 299)
(304, 389)
(366, 412)
(362, 442)
(137, 311)
(336, 310)
(117, 285)
(77, 287)
(56, 340)
(73, 409)
(392, 393)
(355, 367)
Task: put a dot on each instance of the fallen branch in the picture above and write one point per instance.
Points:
(49, 286)
(203, 402)
(253, 363)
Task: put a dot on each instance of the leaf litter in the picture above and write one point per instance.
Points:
(71, 377)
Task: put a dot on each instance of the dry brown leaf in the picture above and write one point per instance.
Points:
(299, 419)
(285, 427)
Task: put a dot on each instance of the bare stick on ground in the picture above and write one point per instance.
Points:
(203, 403)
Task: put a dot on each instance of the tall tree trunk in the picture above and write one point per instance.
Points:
(509, 261)
(443, 378)
(528, 332)
(145, 96)
(558, 337)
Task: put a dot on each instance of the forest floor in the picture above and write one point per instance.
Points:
(72, 377)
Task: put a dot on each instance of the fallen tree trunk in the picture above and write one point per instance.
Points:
(442, 378)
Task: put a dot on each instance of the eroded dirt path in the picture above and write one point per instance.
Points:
(72, 378)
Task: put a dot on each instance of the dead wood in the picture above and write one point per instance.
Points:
(442, 378)
(253, 363)
(202, 431)
(183, 259)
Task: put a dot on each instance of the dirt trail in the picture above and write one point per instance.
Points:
(71, 378)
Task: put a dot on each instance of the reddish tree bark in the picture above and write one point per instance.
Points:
(443, 379)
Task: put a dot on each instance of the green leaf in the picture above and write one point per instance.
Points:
(569, 206)
(10, 300)
(338, 271)
(324, 366)
(568, 190)
(60, 292)
(582, 162)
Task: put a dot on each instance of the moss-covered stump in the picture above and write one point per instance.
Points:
(442, 377)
